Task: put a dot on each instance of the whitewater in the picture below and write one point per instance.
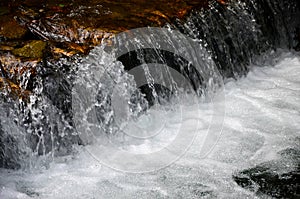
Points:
(262, 117)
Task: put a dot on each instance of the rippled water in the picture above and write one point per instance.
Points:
(262, 118)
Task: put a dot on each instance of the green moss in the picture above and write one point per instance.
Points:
(34, 49)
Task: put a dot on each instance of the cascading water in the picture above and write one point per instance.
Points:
(231, 40)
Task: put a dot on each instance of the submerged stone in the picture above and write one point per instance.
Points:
(279, 178)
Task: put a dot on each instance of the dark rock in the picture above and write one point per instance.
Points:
(297, 38)
(279, 178)
(9, 157)
(10, 29)
(4, 10)
(12, 90)
(12, 143)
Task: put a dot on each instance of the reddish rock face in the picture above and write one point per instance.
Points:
(33, 29)
(88, 22)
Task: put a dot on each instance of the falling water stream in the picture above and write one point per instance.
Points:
(262, 119)
(247, 89)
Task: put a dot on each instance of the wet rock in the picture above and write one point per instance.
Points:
(6, 48)
(279, 178)
(33, 49)
(8, 152)
(10, 29)
(75, 27)
(12, 64)
(31, 127)
(194, 190)
(10, 45)
(90, 22)
(12, 143)
(297, 38)
(19, 71)
(48, 131)
(24, 187)
(13, 90)
(4, 10)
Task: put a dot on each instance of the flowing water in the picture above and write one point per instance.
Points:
(212, 126)
(262, 118)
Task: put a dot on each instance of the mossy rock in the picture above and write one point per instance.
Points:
(34, 49)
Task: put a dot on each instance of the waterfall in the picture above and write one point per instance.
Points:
(229, 39)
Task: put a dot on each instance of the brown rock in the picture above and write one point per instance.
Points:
(90, 22)
(6, 48)
(74, 27)
(13, 90)
(15, 67)
(10, 29)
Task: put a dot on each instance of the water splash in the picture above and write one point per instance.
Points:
(232, 36)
